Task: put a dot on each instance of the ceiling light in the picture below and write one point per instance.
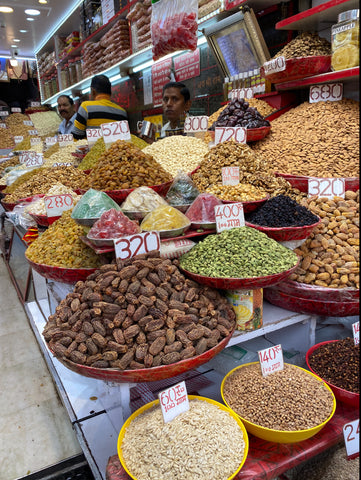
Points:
(29, 19)
(14, 46)
(23, 31)
(16, 40)
(43, 1)
(6, 9)
(31, 11)
(13, 62)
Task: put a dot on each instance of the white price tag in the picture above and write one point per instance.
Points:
(196, 124)
(228, 216)
(15, 110)
(326, 187)
(35, 141)
(271, 360)
(351, 433)
(223, 134)
(230, 175)
(34, 104)
(24, 156)
(115, 131)
(55, 205)
(18, 139)
(29, 123)
(92, 135)
(331, 92)
(4, 113)
(128, 247)
(35, 160)
(33, 132)
(173, 401)
(60, 164)
(356, 332)
(49, 141)
(2, 125)
(234, 94)
(65, 139)
(248, 93)
(277, 64)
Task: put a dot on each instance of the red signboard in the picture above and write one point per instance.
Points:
(187, 66)
(160, 76)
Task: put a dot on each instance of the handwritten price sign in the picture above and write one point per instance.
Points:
(331, 92)
(115, 131)
(356, 332)
(229, 216)
(92, 135)
(65, 139)
(35, 141)
(33, 132)
(128, 247)
(271, 360)
(18, 139)
(2, 125)
(31, 159)
(224, 134)
(49, 141)
(326, 187)
(351, 433)
(230, 175)
(4, 113)
(196, 124)
(55, 205)
(239, 93)
(29, 123)
(276, 65)
(15, 110)
(62, 164)
(173, 401)
(34, 104)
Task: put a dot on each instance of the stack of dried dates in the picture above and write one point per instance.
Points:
(238, 113)
(138, 313)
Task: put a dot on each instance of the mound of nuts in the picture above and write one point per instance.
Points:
(6, 139)
(138, 313)
(304, 45)
(330, 255)
(243, 192)
(12, 162)
(288, 400)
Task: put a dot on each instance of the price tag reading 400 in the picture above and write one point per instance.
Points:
(223, 134)
(326, 187)
(57, 204)
(327, 92)
(229, 216)
(92, 135)
(196, 124)
(356, 332)
(271, 360)
(173, 401)
(351, 433)
(128, 247)
(114, 131)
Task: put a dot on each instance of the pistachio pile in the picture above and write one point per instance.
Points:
(238, 253)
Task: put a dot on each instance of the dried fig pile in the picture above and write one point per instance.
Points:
(138, 313)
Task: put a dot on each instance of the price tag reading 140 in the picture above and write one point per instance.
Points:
(229, 216)
(271, 360)
(223, 134)
(326, 187)
(196, 124)
(55, 205)
(128, 247)
(173, 401)
(114, 131)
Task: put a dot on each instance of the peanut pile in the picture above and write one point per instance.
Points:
(243, 192)
(125, 166)
(305, 45)
(6, 139)
(138, 313)
(315, 139)
(15, 123)
(331, 253)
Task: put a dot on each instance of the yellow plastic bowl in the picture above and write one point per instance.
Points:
(281, 436)
(191, 397)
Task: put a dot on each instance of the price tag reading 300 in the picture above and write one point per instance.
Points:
(196, 124)
(128, 247)
(229, 216)
(223, 134)
(55, 205)
(114, 131)
(326, 187)
(173, 401)
(271, 360)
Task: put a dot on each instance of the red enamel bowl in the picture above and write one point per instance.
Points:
(8, 207)
(284, 234)
(61, 274)
(253, 134)
(300, 67)
(44, 220)
(301, 181)
(341, 394)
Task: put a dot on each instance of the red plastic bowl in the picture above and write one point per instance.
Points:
(240, 283)
(341, 394)
(315, 292)
(120, 195)
(8, 207)
(301, 182)
(61, 274)
(147, 374)
(300, 67)
(2, 187)
(43, 220)
(284, 234)
(248, 206)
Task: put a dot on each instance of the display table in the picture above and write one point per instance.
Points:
(268, 460)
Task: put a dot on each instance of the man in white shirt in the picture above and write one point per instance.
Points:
(176, 104)
(66, 110)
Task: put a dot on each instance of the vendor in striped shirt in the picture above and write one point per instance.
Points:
(100, 109)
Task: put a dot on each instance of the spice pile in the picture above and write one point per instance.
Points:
(46, 123)
(92, 157)
(305, 45)
(6, 139)
(15, 123)
(38, 207)
(202, 209)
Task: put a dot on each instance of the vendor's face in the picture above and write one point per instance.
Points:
(65, 109)
(173, 104)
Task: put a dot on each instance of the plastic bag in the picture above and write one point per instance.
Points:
(92, 204)
(174, 26)
(163, 218)
(182, 191)
(113, 224)
(202, 209)
(142, 199)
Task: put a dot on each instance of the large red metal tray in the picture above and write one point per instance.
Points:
(61, 274)
(315, 292)
(8, 207)
(240, 283)
(284, 234)
(341, 394)
(301, 182)
(44, 220)
(300, 67)
(147, 374)
(249, 206)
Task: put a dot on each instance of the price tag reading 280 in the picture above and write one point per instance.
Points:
(223, 134)
(229, 216)
(326, 187)
(55, 205)
(114, 131)
(271, 360)
(128, 247)
(196, 124)
(173, 401)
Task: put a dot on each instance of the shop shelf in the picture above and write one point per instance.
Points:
(347, 75)
(316, 18)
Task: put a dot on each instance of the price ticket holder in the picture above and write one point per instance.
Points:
(114, 131)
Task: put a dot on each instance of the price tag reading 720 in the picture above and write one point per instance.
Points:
(173, 401)
(128, 247)
(55, 205)
(229, 216)
(114, 131)
(326, 187)
(196, 124)
(271, 360)
(223, 134)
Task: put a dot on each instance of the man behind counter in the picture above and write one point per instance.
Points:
(67, 111)
(100, 109)
(176, 104)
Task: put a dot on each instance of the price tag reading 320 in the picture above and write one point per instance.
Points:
(326, 187)
(114, 131)
(55, 205)
(223, 134)
(92, 135)
(196, 124)
(128, 247)
(229, 216)
(271, 360)
(173, 401)
(65, 139)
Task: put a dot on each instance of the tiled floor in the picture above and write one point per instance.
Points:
(35, 430)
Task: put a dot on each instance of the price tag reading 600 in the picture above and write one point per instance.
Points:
(128, 247)
(174, 401)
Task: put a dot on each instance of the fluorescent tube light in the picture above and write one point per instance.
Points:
(85, 90)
